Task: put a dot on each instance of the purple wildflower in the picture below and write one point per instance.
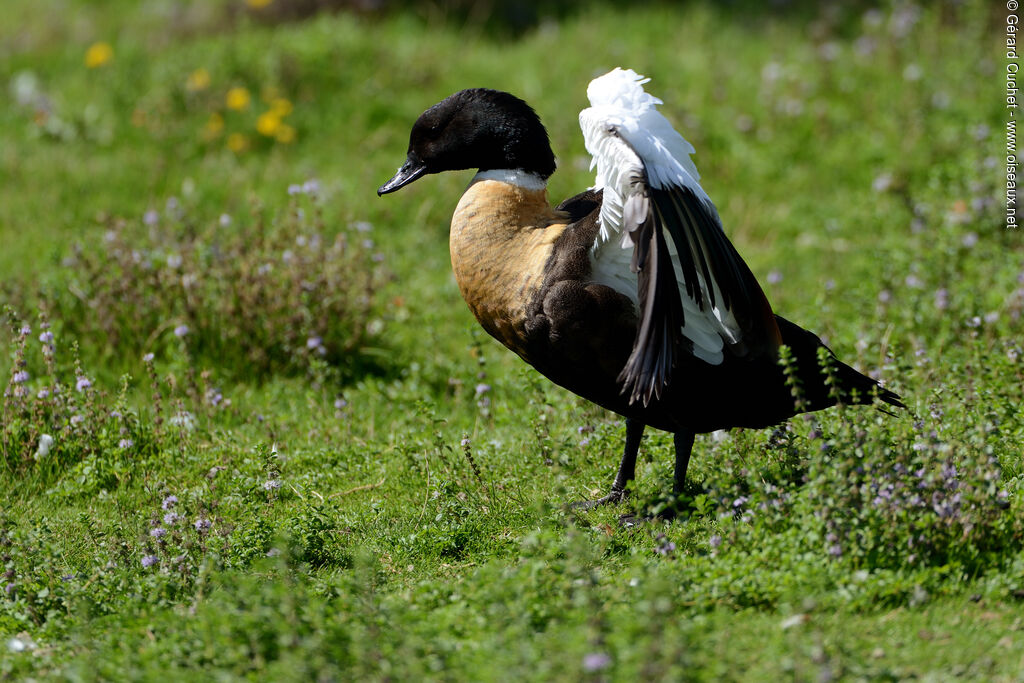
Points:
(181, 330)
(46, 337)
(83, 383)
(202, 524)
(169, 502)
(272, 484)
(20, 377)
(482, 389)
(774, 277)
(125, 443)
(149, 560)
(151, 217)
(158, 532)
(665, 546)
(596, 661)
(171, 518)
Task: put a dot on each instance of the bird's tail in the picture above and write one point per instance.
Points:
(823, 379)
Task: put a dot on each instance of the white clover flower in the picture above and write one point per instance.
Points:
(183, 419)
(45, 444)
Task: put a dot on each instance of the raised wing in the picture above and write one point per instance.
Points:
(693, 291)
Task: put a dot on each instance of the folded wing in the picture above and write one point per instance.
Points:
(661, 242)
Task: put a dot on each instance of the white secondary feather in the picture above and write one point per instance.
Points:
(627, 136)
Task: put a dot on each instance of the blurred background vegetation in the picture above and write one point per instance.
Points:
(279, 447)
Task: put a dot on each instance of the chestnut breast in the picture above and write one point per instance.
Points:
(502, 236)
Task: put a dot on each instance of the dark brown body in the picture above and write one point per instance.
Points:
(524, 269)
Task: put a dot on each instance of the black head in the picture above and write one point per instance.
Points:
(477, 128)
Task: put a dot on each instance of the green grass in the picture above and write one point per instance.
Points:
(369, 515)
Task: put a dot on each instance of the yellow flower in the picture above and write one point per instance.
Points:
(237, 142)
(268, 123)
(237, 99)
(281, 106)
(198, 80)
(98, 54)
(258, 4)
(285, 134)
(214, 126)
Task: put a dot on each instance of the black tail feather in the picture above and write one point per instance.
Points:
(837, 382)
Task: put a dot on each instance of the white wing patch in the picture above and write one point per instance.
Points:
(629, 138)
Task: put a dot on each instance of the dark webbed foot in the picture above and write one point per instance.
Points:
(615, 497)
(627, 469)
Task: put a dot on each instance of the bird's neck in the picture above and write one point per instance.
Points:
(526, 180)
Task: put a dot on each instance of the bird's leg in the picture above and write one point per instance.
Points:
(684, 444)
(627, 468)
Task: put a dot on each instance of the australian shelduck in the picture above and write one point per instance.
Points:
(628, 294)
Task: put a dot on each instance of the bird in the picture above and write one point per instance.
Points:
(629, 293)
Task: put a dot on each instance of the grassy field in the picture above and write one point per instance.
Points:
(250, 430)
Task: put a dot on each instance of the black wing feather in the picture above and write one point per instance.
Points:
(705, 253)
(659, 332)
